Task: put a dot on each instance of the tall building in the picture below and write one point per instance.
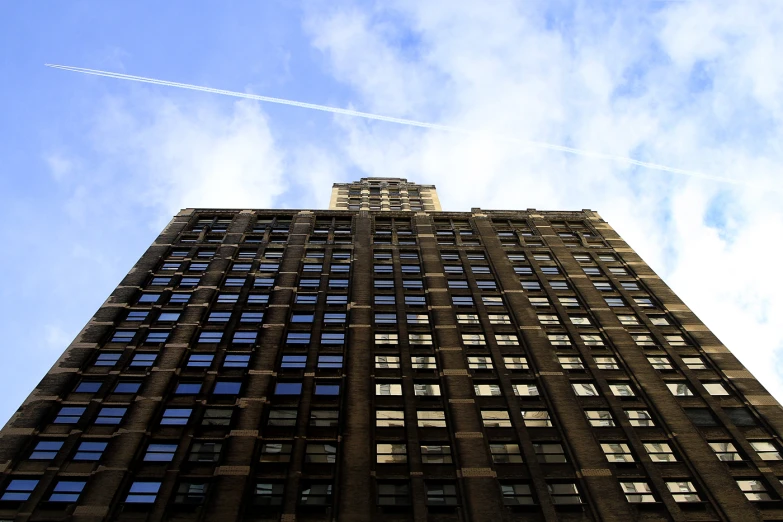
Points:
(393, 365)
(384, 194)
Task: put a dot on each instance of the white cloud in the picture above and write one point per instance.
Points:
(193, 156)
(694, 85)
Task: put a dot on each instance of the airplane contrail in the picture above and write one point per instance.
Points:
(402, 121)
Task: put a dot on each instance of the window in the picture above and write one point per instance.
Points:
(387, 389)
(726, 451)
(46, 450)
(644, 302)
(330, 361)
(480, 363)
(276, 452)
(580, 320)
(549, 452)
(298, 338)
(435, 454)
(227, 298)
(660, 363)
(701, 417)
(440, 494)
(412, 300)
(327, 389)
(316, 495)
(69, 415)
(19, 490)
(537, 419)
(754, 489)
(640, 418)
(143, 360)
(585, 389)
(683, 491)
(507, 340)
(606, 363)
(200, 360)
(205, 451)
(192, 493)
(516, 363)
(621, 390)
(488, 390)
(592, 339)
(505, 453)
(90, 451)
(136, 315)
(694, 363)
(571, 363)
(332, 338)
(268, 494)
(387, 361)
(332, 318)
(426, 390)
(88, 386)
(679, 389)
(217, 417)
(766, 450)
(564, 493)
(391, 453)
(306, 298)
(660, 452)
(244, 337)
(525, 390)
(123, 336)
(495, 419)
(282, 417)
(393, 494)
(386, 338)
(569, 302)
(178, 298)
(548, 319)
(321, 453)
(531, 286)
(617, 452)
(149, 298)
(236, 361)
(227, 388)
(603, 286)
(643, 339)
(637, 492)
(390, 419)
(168, 317)
(517, 494)
(210, 336)
(143, 492)
(422, 363)
(740, 416)
(492, 301)
(176, 416)
(676, 340)
(288, 388)
(160, 453)
(558, 285)
(431, 419)
(188, 388)
(473, 339)
(189, 281)
(499, 319)
(420, 339)
(600, 418)
(559, 339)
(628, 320)
(715, 389)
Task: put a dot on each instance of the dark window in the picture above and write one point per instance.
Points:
(205, 451)
(316, 495)
(440, 494)
(192, 493)
(740, 416)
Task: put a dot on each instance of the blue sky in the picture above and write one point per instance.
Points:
(93, 168)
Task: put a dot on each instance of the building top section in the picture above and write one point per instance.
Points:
(384, 194)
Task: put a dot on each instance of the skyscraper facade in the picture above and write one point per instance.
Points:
(393, 364)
